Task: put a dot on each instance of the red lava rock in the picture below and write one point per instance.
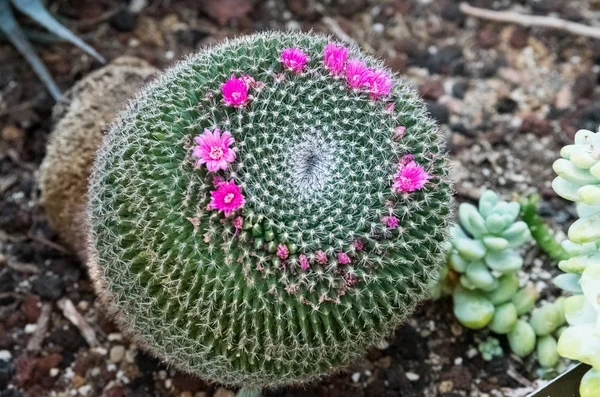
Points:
(24, 367)
(535, 125)
(186, 382)
(584, 85)
(41, 374)
(12, 134)
(105, 323)
(432, 89)
(31, 308)
(397, 63)
(114, 391)
(519, 38)
(85, 362)
(13, 319)
(225, 10)
(460, 377)
(487, 38)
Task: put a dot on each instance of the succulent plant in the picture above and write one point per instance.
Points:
(579, 181)
(490, 348)
(268, 209)
(483, 264)
(482, 276)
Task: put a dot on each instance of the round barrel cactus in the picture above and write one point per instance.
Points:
(268, 209)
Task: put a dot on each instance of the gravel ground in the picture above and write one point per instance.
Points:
(507, 98)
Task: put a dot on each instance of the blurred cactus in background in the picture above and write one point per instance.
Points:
(578, 180)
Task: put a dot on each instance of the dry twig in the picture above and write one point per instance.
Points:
(71, 313)
(35, 342)
(531, 20)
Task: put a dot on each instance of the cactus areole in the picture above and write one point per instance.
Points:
(255, 218)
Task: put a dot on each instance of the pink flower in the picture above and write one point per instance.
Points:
(217, 180)
(350, 279)
(410, 177)
(235, 92)
(380, 84)
(390, 107)
(321, 257)
(238, 223)
(334, 58)
(303, 260)
(213, 149)
(282, 251)
(227, 198)
(357, 74)
(399, 132)
(406, 159)
(294, 59)
(390, 221)
(251, 83)
(359, 245)
(343, 258)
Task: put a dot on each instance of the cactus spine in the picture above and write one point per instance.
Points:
(268, 209)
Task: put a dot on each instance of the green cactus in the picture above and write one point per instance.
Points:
(579, 181)
(329, 246)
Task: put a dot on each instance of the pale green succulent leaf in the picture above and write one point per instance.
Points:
(522, 339)
(565, 189)
(568, 282)
(590, 383)
(590, 195)
(504, 261)
(495, 223)
(581, 343)
(524, 300)
(457, 262)
(546, 319)
(480, 276)
(508, 286)
(495, 243)
(547, 351)
(487, 202)
(584, 210)
(505, 318)
(566, 170)
(585, 230)
(578, 311)
(471, 220)
(471, 309)
(470, 249)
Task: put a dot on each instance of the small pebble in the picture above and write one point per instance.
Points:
(221, 392)
(115, 337)
(30, 328)
(117, 353)
(48, 286)
(356, 377)
(412, 376)
(5, 355)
